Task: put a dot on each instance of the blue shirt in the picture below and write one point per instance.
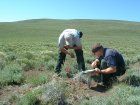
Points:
(113, 58)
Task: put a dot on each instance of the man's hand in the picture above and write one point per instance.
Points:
(74, 47)
(95, 63)
(96, 71)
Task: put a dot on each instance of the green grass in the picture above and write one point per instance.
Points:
(11, 74)
(30, 98)
(122, 95)
(38, 35)
(37, 80)
(31, 45)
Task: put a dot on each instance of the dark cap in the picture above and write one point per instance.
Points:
(80, 34)
(96, 47)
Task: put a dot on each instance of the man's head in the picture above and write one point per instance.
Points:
(80, 34)
(97, 50)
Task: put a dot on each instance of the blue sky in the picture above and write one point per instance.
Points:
(14, 10)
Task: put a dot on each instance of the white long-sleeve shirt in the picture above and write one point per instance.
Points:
(70, 36)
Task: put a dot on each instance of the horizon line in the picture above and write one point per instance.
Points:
(66, 19)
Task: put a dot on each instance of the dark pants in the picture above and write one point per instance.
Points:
(107, 79)
(79, 57)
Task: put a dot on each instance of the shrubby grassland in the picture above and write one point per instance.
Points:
(28, 56)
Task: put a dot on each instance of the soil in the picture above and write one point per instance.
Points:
(81, 89)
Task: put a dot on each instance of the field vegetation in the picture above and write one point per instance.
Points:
(28, 56)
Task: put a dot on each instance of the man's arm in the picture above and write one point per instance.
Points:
(75, 47)
(112, 65)
(67, 52)
(109, 70)
(64, 51)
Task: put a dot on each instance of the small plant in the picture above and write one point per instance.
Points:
(40, 65)
(122, 95)
(13, 98)
(50, 65)
(37, 80)
(11, 74)
(48, 55)
(29, 55)
(26, 64)
(132, 80)
(2, 60)
(30, 98)
(11, 56)
(55, 92)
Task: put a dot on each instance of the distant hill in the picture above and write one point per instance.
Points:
(40, 29)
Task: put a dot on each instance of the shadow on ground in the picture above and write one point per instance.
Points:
(99, 88)
(132, 80)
